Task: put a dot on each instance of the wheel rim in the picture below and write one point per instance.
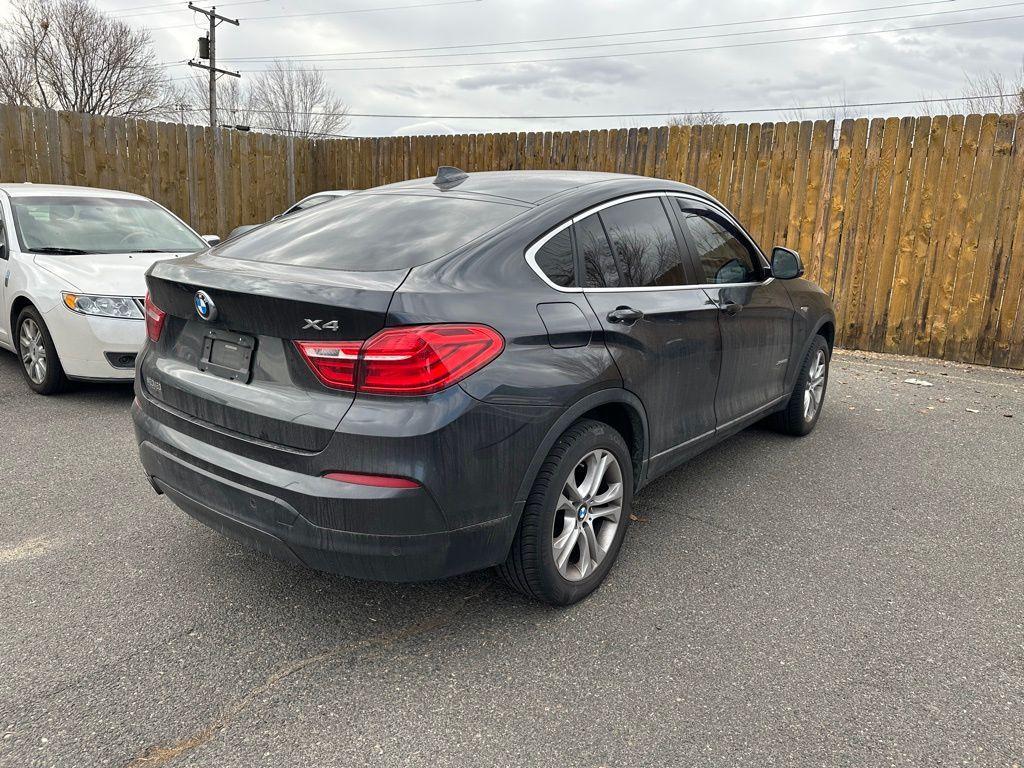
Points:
(815, 390)
(33, 351)
(588, 515)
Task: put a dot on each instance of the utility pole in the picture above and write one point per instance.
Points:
(208, 46)
(211, 54)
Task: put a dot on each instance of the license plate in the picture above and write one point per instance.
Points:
(228, 355)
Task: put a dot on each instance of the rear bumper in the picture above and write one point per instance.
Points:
(386, 534)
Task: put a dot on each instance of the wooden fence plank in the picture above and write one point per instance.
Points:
(12, 147)
(34, 152)
(969, 246)
(821, 145)
(748, 174)
(950, 260)
(759, 188)
(942, 254)
(797, 185)
(852, 295)
(880, 209)
(52, 120)
(886, 241)
(994, 349)
(851, 201)
(985, 267)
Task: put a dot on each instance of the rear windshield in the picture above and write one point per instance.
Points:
(371, 232)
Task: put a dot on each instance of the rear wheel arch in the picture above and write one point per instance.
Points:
(619, 409)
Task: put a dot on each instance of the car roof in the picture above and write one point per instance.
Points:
(26, 189)
(530, 187)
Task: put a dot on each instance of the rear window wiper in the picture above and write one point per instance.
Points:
(55, 249)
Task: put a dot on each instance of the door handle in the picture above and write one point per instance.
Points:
(730, 308)
(625, 315)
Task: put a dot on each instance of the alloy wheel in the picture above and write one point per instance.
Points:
(815, 386)
(33, 350)
(587, 515)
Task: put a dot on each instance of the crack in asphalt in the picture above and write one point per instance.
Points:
(161, 754)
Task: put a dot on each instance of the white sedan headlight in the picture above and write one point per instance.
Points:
(103, 306)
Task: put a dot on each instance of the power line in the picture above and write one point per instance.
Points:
(693, 37)
(624, 54)
(602, 35)
(175, 4)
(338, 13)
(610, 115)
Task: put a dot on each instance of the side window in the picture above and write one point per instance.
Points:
(599, 270)
(644, 243)
(555, 259)
(723, 257)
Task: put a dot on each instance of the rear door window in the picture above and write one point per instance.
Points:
(364, 233)
(599, 269)
(645, 246)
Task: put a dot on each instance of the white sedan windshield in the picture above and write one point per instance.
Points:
(60, 224)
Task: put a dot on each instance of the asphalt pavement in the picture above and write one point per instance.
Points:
(855, 597)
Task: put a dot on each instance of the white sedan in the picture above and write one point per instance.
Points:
(74, 261)
(318, 198)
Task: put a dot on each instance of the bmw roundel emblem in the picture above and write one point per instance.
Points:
(205, 307)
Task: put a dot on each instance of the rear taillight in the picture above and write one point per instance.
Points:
(154, 320)
(414, 360)
(333, 362)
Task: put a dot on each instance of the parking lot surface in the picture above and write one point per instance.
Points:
(852, 598)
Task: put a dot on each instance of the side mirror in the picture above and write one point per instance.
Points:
(786, 264)
(3, 251)
(212, 239)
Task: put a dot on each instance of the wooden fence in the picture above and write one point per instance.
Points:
(915, 225)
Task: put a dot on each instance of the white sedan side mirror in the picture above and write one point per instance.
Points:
(212, 239)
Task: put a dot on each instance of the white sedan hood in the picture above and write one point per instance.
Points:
(104, 274)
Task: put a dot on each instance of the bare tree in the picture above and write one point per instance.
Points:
(834, 109)
(991, 92)
(66, 54)
(297, 102)
(188, 102)
(697, 118)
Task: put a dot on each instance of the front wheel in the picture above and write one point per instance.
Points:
(39, 361)
(804, 407)
(575, 517)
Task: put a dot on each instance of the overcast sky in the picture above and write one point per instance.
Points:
(897, 65)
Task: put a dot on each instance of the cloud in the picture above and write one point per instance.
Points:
(407, 90)
(428, 127)
(894, 66)
(572, 81)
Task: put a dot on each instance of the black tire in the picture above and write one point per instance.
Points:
(54, 380)
(530, 566)
(792, 420)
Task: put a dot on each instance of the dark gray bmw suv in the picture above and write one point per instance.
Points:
(477, 370)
